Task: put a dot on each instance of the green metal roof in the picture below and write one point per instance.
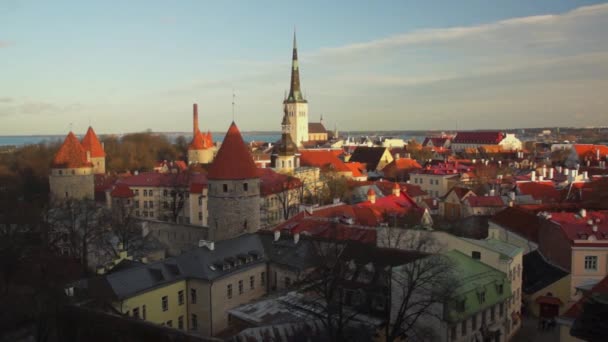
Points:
(505, 249)
(473, 278)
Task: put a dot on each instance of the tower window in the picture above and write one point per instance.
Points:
(225, 186)
(245, 187)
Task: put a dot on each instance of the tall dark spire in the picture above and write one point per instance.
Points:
(295, 93)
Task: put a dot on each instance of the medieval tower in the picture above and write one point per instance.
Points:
(233, 189)
(95, 150)
(72, 172)
(295, 105)
(200, 150)
(285, 155)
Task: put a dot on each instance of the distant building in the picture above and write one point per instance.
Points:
(201, 149)
(72, 171)
(473, 140)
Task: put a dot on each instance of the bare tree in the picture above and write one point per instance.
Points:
(174, 196)
(79, 224)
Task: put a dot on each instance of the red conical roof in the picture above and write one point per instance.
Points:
(233, 160)
(198, 141)
(92, 144)
(70, 155)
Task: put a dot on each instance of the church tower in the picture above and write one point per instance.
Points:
(285, 155)
(72, 172)
(233, 190)
(295, 105)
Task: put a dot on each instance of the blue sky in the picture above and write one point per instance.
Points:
(128, 66)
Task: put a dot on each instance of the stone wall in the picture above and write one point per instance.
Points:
(234, 208)
(72, 183)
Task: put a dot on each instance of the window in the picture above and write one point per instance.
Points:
(150, 192)
(136, 312)
(453, 332)
(145, 192)
(483, 318)
(194, 322)
(180, 322)
(482, 297)
(500, 289)
(151, 204)
(263, 279)
(252, 282)
(146, 204)
(165, 192)
(143, 311)
(165, 303)
(225, 187)
(463, 328)
(180, 297)
(136, 204)
(501, 309)
(591, 263)
(229, 291)
(492, 314)
(287, 281)
(193, 296)
(476, 255)
(245, 186)
(240, 286)
(474, 322)
(170, 323)
(200, 200)
(136, 192)
(60, 172)
(200, 216)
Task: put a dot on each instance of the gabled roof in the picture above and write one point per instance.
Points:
(272, 182)
(580, 228)
(233, 160)
(590, 150)
(71, 154)
(435, 141)
(490, 138)
(539, 273)
(371, 156)
(316, 128)
(91, 143)
(540, 190)
(122, 191)
(522, 222)
(460, 192)
(322, 159)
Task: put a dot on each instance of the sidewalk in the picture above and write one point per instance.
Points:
(529, 332)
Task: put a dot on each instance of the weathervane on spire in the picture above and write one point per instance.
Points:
(233, 101)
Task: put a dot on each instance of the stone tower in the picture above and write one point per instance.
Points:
(92, 146)
(72, 172)
(201, 148)
(233, 189)
(285, 155)
(295, 105)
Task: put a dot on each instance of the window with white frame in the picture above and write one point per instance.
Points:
(591, 263)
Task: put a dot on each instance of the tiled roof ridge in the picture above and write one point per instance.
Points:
(91, 143)
(233, 160)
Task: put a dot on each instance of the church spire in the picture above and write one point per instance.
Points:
(295, 93)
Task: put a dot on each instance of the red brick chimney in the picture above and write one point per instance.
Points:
(194, 119)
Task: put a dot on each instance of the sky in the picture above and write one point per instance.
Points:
(127, 66)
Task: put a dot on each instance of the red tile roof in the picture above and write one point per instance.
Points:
(540, 190)
(272, 182)
(233, 161)
(322, 159)
(576, 309)
(164, 180)
(356, 168)
(590, 151)
(122, 191)
(520, 221)
(579, 228)
(489, 138)
(485, 201)
(201, 141)
(392, 169)
(92, 144)
(71, 154)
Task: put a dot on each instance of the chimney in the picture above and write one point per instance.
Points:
(194, 119)
(597, 154)
(541, 178)
(551, 173)
(594, 228)
(103, 145)
(277, 235)
(512, 195)
(396, 190)
(296, 238)
(492, 192)
(583, 213)
(397, 156)
(585, 175)
(371, 195)
(533, 176)
(434, 202)
(544, 171)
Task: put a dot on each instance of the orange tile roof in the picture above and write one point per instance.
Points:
(322, 159)
(92, 144)
(201, 141)
(71, 154)
(590, 150)
(233, 160)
